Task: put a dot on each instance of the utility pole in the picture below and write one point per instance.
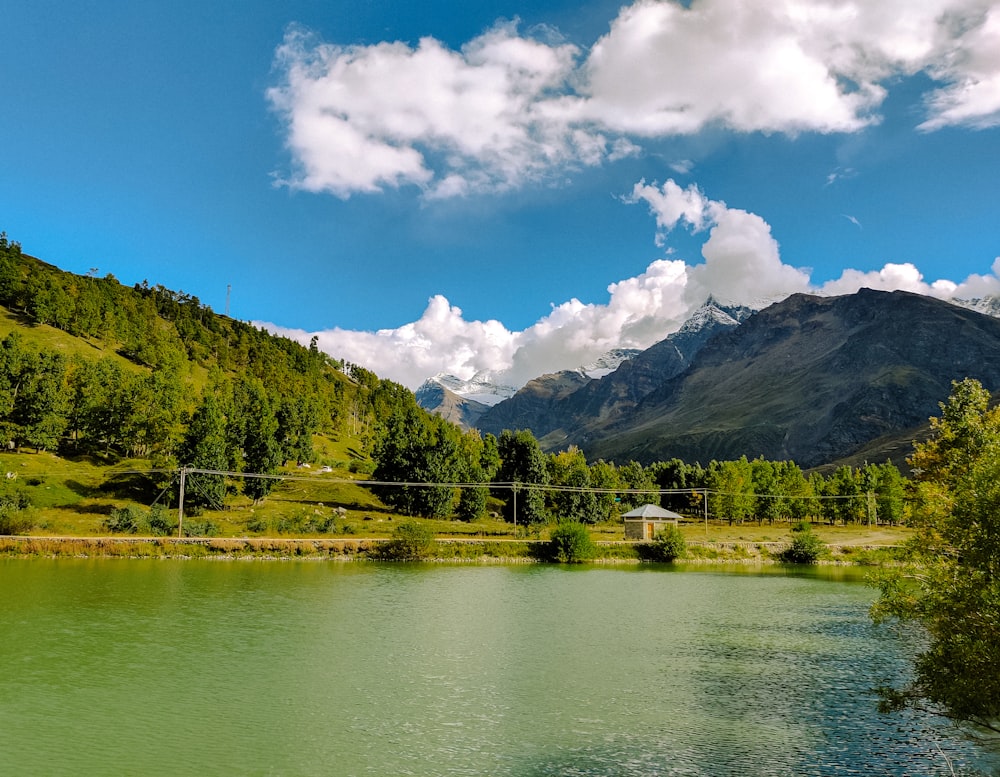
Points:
(180, 504)
(705, 500)
(515, 510)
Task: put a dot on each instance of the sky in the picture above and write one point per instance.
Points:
(504, 186)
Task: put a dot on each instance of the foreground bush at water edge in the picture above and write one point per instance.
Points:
(411, 541)
(669, 544)
(570, 543)
(806, 547)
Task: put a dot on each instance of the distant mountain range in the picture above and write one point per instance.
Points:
(812, 379)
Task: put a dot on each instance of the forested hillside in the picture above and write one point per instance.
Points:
(88, 365)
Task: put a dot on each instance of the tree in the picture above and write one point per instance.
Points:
(259, 443)
(298, 419)
(890, 493)
(637, 479)
(604, 477)
(732, 482)
(848, 503)
(42, 408)
(795, 489)
(481, 461)
(768, 501)
(204, 447)
(421, 453)
(522, 464)
(953, 590)
(569, 470)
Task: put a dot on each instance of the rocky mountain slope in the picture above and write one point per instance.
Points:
(811, 379)
(567, 404)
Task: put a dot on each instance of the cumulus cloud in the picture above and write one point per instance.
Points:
(361, 118)
(742, 261)
(741, 264)
(508, 108)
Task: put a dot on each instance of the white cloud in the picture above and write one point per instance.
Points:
(361, 118)
(742, 261)
(742, 264)
(972, 77)
(510, 108)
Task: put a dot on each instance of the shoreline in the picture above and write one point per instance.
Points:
(446, 551)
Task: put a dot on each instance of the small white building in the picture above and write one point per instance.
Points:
(644, 522)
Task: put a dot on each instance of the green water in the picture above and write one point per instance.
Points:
(310, 668)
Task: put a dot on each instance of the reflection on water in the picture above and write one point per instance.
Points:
(271, 668)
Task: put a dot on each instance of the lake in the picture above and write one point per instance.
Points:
(171, 667)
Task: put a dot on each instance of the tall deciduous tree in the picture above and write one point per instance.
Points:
(256, 436)
(572, 502)
(523, 464)
(954, 591)
(481, 462)
(732, 485)
(41, 410)
(204, 447)
(420, 453)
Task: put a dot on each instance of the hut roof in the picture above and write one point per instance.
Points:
(652, 511)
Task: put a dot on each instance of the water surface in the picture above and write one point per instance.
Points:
(310, 668)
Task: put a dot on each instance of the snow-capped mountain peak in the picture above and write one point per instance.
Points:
(483, 387)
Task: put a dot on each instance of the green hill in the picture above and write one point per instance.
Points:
(100, 386)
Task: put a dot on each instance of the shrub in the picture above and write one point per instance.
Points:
(15, 514)
(669, 544)
(162, 522)
(361, 466)
(125, 520)
(200, 529)
(15, 520)
(806, 548)
(411, 541)
(570, 543)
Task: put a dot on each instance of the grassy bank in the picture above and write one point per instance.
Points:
(443, 550)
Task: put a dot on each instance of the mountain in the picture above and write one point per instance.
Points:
(565, 405)
(435, 397)
(812, 379)
(465, 402)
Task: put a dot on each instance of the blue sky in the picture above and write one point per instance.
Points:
(503, 186)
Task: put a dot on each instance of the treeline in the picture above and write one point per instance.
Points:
(415, 450)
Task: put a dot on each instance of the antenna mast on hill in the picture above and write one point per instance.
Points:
(229, 288)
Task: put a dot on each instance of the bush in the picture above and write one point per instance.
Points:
(162, 522)
(806, 548)
(361, 466)
(411, 541)
(15, 520)
(125, 520)
(200, 529)
(570, 543)
(669, 544)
